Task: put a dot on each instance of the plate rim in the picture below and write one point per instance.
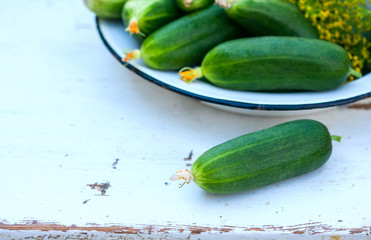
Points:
(224, 102)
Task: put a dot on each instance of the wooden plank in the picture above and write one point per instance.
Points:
(303, 231)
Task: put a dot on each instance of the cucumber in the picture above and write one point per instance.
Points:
(275, 64)
(193, 5)
(261, 158)
(106, 8)
(145, 16)
(270, 17)
(186, 40)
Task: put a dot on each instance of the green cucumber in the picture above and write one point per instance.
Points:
(193, 5)
(276, 64)
(261, 158)
(186, 40)
(145, 16)
(271, 17)
(106, 8)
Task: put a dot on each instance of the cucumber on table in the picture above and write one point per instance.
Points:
(186, 40)
(261, 158)
(106, 8)
(145, 16)
(275, 64)
(270, 17)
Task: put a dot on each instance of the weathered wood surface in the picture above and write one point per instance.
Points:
(70, 116)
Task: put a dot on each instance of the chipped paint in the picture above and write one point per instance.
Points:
(360, 230)
(254, 229)
(364, 106)
(307, 228)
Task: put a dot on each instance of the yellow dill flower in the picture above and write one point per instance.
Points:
(341, 22)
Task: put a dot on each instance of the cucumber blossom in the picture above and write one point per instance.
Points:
(261, 158)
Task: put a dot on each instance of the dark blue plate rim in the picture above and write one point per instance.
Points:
(223, 102)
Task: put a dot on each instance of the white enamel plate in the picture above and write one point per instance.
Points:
(117, 40)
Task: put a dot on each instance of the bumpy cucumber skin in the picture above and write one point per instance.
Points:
(106, 8)
(195, 5)
(261, 158)
(271, 17)
(186, 40)
(277, 64)
(150, 14)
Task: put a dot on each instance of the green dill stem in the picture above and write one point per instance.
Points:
(354, 73)
(336, 138)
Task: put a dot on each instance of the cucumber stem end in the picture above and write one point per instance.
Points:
(226, 4)
(135, 54)
(336, 138)
(189, 74)
(355, 73)
(187, 3)
(182, 174)
(133, 27)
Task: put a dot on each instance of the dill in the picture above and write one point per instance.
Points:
(346, 23)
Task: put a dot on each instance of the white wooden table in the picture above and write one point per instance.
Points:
(71, 115)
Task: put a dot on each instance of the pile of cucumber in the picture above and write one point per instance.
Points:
(254, 45)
